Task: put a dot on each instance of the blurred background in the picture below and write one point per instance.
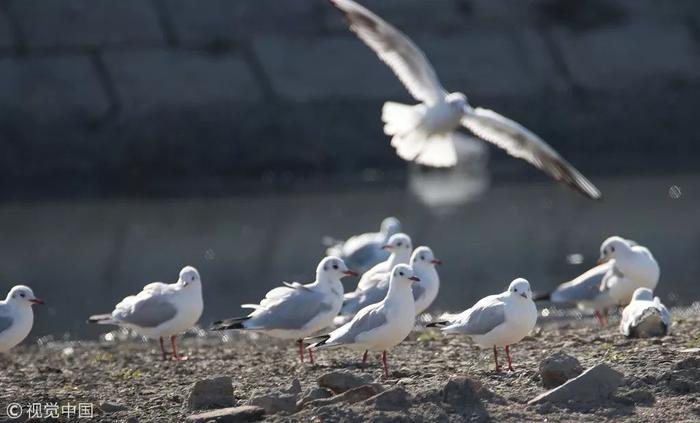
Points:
(138, 136)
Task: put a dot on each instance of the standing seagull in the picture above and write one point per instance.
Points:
(645, 316)
(425, 133)
(160, 310)
(16, 316)
(423, 262)
(497, 320)
(295, 311)
(380, 326)
(588, 291)
(374, 283)
(363, 251)
(636, 265)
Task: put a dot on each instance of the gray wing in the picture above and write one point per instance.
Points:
(418, 291)
(523, 144)
(148, 313)
(586, 287)
(372, 295)
(366, 256)
(482, 319)
(291, 312)
(370, 319)
(396, 50)
(5, 323)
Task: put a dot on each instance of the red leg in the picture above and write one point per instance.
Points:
(386, 368)
(495, 358)
(364, 358)
(599, 317)
(605, 316)
(311, 356)
(175, 355)
(510, 364)
(301, 350)
(162, 349)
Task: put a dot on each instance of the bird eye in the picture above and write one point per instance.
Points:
(422, 257)
(399, 244)
(401, 273)
(335, 266)
(612, 249)
(22, 295)
(192, 278)
(515, 289)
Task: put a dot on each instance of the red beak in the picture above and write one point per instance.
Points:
(414, 279)
(601, 260)
(351, 273)
(386, 247)
(36, 301)
(436, 262)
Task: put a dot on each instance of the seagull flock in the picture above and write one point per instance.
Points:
(397, 282)
(381, 311)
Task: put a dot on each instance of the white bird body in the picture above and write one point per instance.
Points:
(383, 325)
(426, 290)
(512, 318)
(16, 317)
(588, 290)
(639, 270)
(160, 310)
(425, 133)
(400, 248)
(645, 317)
(331, 289)
(295, 311)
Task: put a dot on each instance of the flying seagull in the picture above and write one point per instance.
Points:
(425, 133)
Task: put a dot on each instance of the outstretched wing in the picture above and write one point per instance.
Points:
(521, 143)
(396, 50)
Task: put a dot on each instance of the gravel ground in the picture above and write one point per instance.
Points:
(126, 381)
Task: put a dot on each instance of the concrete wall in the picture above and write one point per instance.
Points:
(122, 95)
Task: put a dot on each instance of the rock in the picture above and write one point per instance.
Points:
(111, 407)
(595, 383)
(558, 368)
(211, 393)
(464, 392)
(637, 397)
(294, 388)
(683, 381)
(393, 399)
(313, 394)
(245, 413)
(341, 381)
(687, 363)
(276, 402)
(350, 396)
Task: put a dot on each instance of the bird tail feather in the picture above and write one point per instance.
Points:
(233, 323)
(316, 341)
(438, 324)
(101, 319)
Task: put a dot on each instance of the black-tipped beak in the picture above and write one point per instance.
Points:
(602, 260)
(524, 295)
(414, 279)
(350, 273)
(36, 301)
(436, 262)
(386, 247)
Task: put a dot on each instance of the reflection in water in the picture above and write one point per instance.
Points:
(82, 257)
(445, 189)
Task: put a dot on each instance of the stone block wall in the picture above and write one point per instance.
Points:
(129, 95)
